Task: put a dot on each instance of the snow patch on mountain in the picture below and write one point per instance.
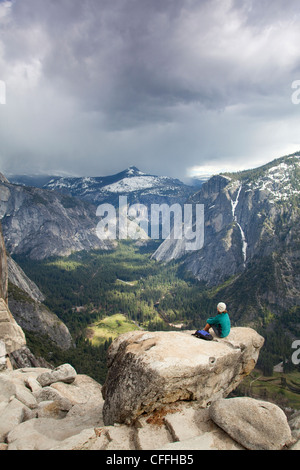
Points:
(278, 181)
(135, 183)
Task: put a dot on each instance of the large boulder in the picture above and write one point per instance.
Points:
(255, 424)
(149, 370)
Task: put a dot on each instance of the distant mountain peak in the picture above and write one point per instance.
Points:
(134, 183)
(133, 168)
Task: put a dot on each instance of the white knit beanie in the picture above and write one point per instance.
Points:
(221, 307)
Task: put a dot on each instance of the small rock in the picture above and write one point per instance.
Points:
(294, 424)
(25, 397)
(50, 394)
(32, 384)
(64, 373)
(84, 390)
(295, 446)
(34, 434)
(51, 409)
(10, 417)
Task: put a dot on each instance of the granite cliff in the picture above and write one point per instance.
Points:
(12, 337)
(251, 238)
(21, 307)
(38, 223)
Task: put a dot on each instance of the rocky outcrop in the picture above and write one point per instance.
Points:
(147, 370)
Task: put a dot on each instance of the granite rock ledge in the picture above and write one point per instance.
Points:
(148, 370)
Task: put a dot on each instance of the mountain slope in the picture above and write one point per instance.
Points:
(40, 223)
(251, 236)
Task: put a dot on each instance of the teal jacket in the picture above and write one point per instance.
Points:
(220, 324)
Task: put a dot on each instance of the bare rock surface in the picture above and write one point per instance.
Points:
(149, 370)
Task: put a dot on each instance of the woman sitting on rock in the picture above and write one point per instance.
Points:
(220, 323)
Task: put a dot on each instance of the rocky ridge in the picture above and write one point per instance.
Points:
(139, 187)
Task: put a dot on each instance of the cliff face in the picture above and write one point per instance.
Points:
(11, 334)
(3, 268)
(35, 317)
(252, 227)
(40, 223)
(17, 277)
(25, 302)
(249, 214)
(25, 310)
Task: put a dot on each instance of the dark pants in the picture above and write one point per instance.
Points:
(217, 330)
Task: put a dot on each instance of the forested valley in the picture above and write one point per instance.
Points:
(87, 289)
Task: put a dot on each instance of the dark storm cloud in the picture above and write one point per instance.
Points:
(96, 85)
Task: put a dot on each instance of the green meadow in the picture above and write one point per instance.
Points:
(109, 328)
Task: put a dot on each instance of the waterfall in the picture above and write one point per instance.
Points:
(233, 208)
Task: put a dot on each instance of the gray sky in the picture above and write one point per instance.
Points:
(173, 87)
